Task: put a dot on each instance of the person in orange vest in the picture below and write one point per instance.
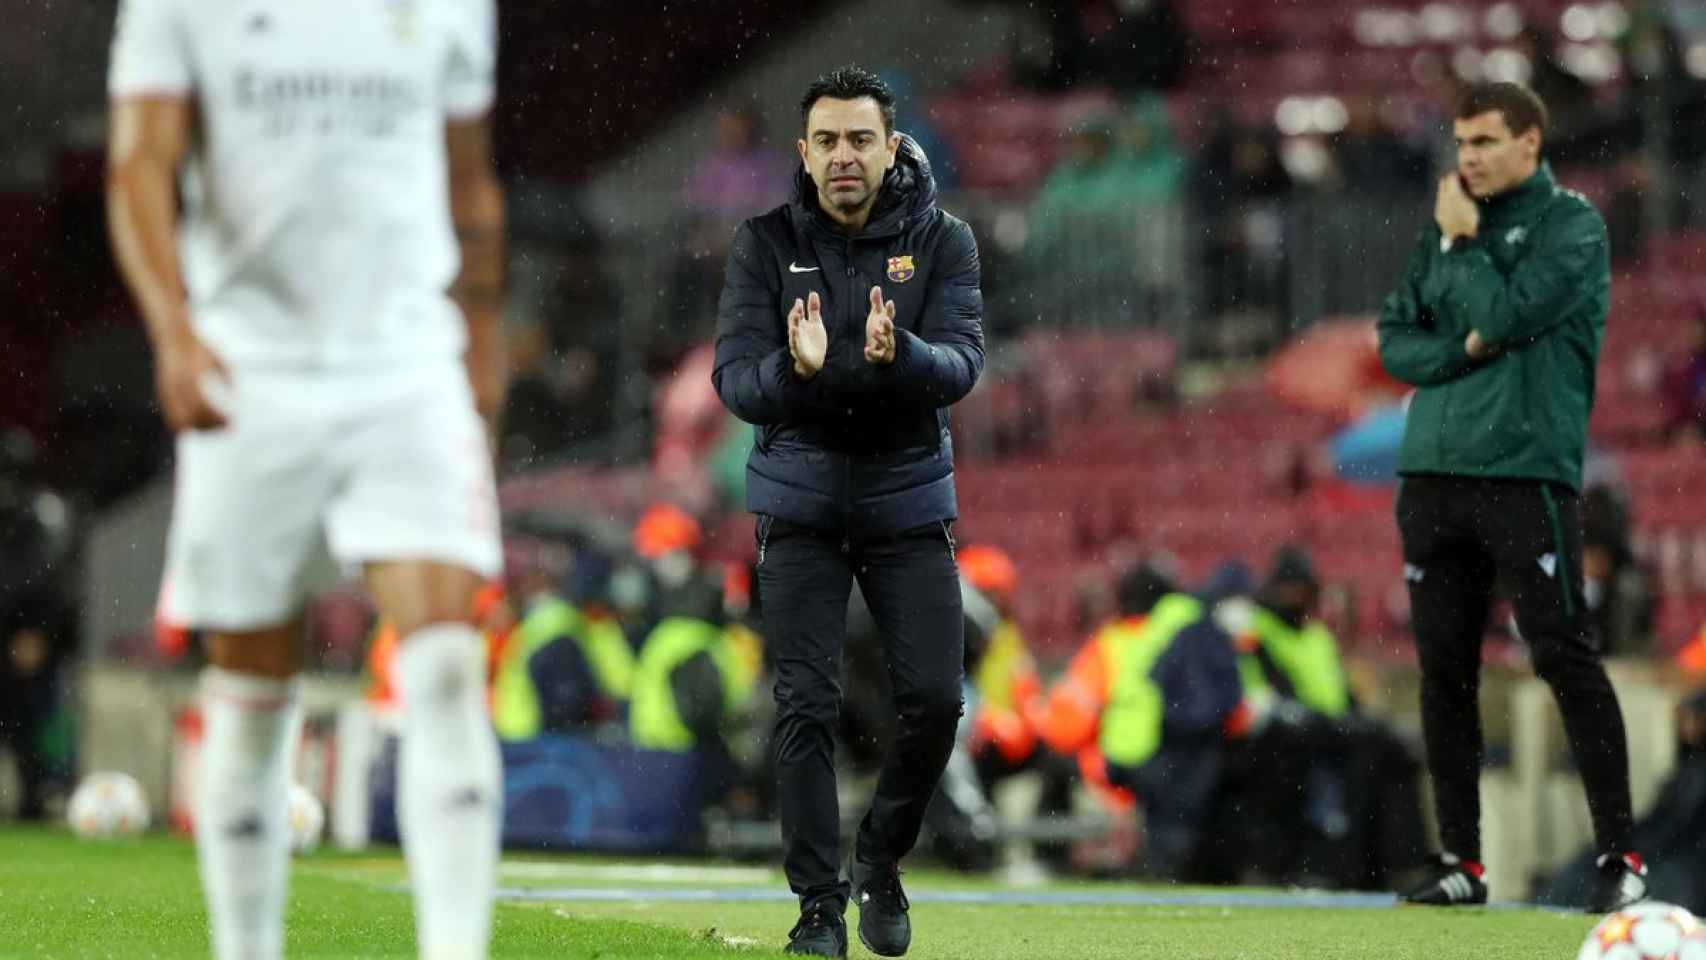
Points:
(491, 612)
(1000, 740)
(1692, 658)
(1004, 678)
(1068, 719)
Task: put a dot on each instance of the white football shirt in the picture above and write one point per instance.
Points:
(316, 230)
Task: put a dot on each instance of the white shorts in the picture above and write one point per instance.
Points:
(374, 466)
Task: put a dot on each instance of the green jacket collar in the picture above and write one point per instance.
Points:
(1523, 200)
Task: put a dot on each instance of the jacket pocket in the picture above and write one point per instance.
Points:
(1486, 417)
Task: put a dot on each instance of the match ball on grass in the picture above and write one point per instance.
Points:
(1646, 931)
(307, 819)
(107, 804)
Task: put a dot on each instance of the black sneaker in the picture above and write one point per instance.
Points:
(821, 932)
(884, 927)
(1456, 883)
(1622, 881)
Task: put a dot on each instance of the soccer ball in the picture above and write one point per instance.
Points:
(1646, 931)
(307, 817)
(107, 804)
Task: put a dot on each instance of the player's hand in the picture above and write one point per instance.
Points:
(1475, 347)
(879, 329)
(808, 341)
(188, 378)
(1454, 210)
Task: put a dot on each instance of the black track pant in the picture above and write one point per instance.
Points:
(1460, 535)
(911, 583)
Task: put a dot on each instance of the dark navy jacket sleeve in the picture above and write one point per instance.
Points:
(940, 364)
(753, 373)
(1199, 681)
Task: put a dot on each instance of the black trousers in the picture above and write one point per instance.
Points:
(911, 583)
(27, 707)
(1460, 536)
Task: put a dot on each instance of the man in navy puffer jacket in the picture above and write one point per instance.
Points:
(850, 320)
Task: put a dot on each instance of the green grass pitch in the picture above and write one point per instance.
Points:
(132, 899)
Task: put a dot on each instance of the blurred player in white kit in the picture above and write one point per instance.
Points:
(324, 322)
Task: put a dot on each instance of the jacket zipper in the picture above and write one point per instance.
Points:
(847, 462)
(765, 521)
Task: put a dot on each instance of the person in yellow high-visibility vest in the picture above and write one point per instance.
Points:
(692, 677)
(572, 668)
(692, 680)
(1328, 796)
(688, 678)
(1173, 686)
(1284, 650)
(564, 669)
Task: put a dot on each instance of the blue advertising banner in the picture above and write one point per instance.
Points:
(572, 793)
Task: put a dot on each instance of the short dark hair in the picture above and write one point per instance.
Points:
(849, 83)
(1522, 108)
(1140, 588)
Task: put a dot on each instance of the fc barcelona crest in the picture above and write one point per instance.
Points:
(901, 269)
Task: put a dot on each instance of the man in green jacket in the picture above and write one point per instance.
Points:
(1498, 323)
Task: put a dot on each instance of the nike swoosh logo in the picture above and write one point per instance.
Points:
(796, 268)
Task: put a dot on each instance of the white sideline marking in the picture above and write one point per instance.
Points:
(1229, 899)
(637, 873)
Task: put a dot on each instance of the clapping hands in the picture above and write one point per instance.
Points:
(808, 341)
(879, 329)
(808, 338)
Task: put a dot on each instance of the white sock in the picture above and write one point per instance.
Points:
(241, 818)
(450, 790)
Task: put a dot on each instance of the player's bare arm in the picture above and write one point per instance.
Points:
(148, 138)
(477, 208)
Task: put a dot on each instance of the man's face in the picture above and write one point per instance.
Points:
(846, 151)
(1295, 600)
(1490, 158)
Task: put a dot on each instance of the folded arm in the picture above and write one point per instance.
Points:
(1412, 348)
(1544, 288)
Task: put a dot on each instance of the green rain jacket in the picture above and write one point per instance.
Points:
(1536, 283)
